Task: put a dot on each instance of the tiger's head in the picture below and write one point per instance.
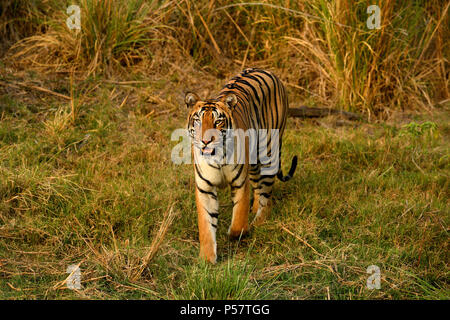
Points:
(209, 121)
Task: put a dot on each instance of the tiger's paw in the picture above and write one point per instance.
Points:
(238, 233)
(261, 216)
(259, 220)
(208, 252)
(211, 258)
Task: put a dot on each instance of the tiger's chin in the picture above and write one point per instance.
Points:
(210, 154)
(208, 151)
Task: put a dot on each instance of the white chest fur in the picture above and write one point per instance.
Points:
(213, 175)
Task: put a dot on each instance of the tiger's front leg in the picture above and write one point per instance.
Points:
(240, 191)
(207, 209)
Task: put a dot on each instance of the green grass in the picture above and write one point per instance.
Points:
(94, 188)
(231, 280)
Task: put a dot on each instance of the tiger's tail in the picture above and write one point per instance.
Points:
(291, 171)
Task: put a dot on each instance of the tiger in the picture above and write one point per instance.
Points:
(254, 99)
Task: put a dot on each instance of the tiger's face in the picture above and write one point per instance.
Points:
(209, 121)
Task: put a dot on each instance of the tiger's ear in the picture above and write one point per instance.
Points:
(231, 100)
(191, 99)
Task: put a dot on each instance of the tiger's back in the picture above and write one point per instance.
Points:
(262, 99)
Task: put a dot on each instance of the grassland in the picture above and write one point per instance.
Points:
(96, 191)
(86, 175)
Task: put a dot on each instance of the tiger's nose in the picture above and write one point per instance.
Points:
(206, 142)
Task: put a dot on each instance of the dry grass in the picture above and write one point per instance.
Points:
(323, 50)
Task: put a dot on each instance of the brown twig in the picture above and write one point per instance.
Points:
(30, 86)
(301, 240)
(169, 215)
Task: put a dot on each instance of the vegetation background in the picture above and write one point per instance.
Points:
(86, 177)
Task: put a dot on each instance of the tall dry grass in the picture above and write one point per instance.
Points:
(322, 49)
(19, 19)
(374, 70)
(112, 33)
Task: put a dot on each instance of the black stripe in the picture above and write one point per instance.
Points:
(218, 167)
(268, 92)
(238, 174)
(261, 105)
(263, 177)
(267, 183)
(255, 93)
(207, 192)
(275, 88)
(237, 187)
(201, 177)
(213, 214)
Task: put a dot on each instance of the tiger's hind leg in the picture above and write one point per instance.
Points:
(268, 167)
(263, 191)
(262, 202)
